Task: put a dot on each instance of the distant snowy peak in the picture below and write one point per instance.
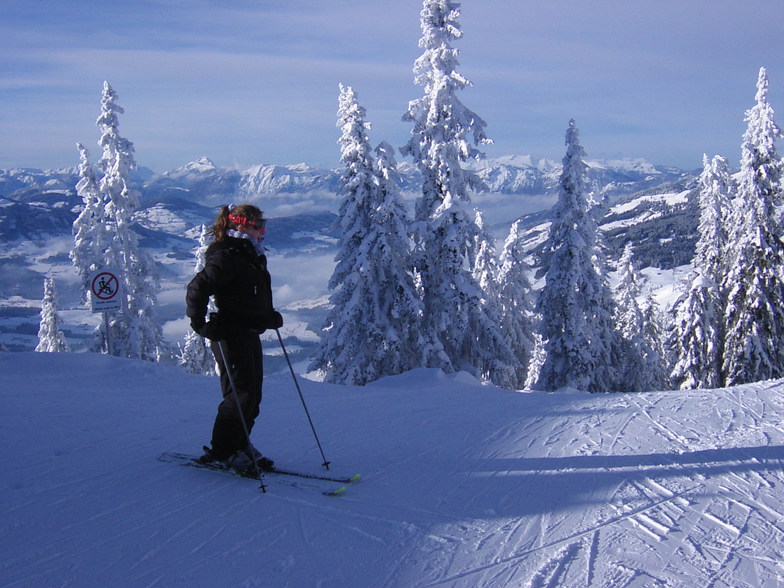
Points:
(626, 165)
(202, 166)
(547, 166)
(516, 161)
(515, 174)
(20, 180)
(522, 174)
(206, 181)
(271, 179)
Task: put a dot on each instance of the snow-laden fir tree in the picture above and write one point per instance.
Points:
(92, 234)
(695, 343)
(501, 369)
(641, 367)
(653, 325)
(460, 330)
(575, 306)
(516, 308)
(754, 316)
(50, 337)
(696, 339)
(196, 356)
(390, 242)
(629, 320)
(716, 191)
(372, 329)
(485, 263)
(134, 330)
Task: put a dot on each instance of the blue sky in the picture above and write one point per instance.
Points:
(248, 82)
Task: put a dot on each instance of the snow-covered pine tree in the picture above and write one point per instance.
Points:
(641, 365)
(50, 337)
(391, 243)
(629, 320)
(653, 333)
(135, 331)
(372, 329)
(485, 263)
(460, 331)
(503, 371)
(695, 344)
(716, 191)
(696, 339)
(753, 285)
(196, 356)
(516, 308)
(581, 346)
(91, 233)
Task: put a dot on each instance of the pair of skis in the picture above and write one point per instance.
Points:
(191, 461)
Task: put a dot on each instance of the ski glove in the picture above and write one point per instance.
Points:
(209, 330)
(275, 320)
(197, 323)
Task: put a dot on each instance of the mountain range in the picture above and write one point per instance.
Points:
(650, 205)
(204, 182)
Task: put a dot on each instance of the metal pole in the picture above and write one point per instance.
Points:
(299, 391)
(106, 330)
(236, 396)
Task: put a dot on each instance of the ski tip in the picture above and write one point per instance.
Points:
(335, 492)
(354, 478)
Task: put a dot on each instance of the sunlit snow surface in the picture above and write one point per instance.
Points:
(462, 484)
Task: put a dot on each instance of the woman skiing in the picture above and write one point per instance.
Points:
(235, 274)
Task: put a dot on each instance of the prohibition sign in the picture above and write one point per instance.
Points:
(104, 286)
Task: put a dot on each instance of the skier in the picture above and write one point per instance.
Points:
(235, 273)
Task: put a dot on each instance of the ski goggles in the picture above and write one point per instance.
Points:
(259, 224)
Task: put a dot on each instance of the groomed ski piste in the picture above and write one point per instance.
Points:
(462, 484)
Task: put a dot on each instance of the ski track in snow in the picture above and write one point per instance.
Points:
(670, 512)
(462, 485)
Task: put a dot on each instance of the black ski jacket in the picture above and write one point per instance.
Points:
(238, 279)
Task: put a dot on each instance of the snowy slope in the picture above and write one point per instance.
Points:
(464, 484)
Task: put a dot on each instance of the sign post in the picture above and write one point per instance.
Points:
(105, 297)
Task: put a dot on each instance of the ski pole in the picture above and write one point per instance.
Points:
(299, 391)
(236, 397)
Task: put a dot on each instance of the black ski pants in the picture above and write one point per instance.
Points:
(243, 357)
